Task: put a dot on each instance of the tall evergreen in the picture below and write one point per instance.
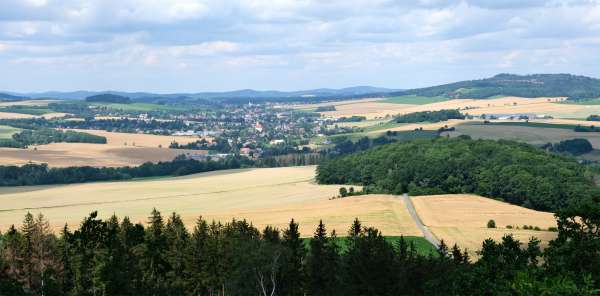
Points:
(154, 265)
(293, 271)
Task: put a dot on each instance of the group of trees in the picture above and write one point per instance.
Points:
(572, 146)
(430, 116)
(593, 117)
(118, 257)
(43, 136)
(40, 174)
(517, 173)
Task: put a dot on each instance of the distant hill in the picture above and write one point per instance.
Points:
(108, 98)
(4, 97)
(536, 85)
(237, 95)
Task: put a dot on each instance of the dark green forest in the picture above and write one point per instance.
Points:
(537, 85)
(514, 172)
(430, 116)
(118, 257)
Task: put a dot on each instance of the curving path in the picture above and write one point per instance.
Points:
(424, 229)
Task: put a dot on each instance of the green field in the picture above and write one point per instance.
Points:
(143, 107)
(415, 100)
(422, 246)
(6, 132)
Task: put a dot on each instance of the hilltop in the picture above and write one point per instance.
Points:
(536, 85)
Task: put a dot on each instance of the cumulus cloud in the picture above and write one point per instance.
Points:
(192, 45)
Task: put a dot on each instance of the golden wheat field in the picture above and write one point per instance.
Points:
(462, 219)
(122, 149)
(270, 196)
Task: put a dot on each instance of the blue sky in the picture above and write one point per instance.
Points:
(212, 45)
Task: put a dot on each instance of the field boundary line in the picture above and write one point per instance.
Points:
(429, 236)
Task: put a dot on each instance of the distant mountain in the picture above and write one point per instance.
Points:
(4, 97)
(227, 95)
(536, 85)
(108, 98)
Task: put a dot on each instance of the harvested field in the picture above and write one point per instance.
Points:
(119, 151)
(28, 103)
(462, 219)
(269, 196)
(370, 110)
(10, 115)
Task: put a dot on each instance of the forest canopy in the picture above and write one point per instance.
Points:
(517, 173)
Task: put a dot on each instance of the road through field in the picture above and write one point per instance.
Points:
(413, 213)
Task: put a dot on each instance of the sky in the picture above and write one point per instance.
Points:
(214, 45)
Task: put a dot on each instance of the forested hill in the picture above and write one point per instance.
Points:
(4, 97)
(536, 85)
(517, 173)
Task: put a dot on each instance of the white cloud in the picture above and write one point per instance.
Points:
(311, 42)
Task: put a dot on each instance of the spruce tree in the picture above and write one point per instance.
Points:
(293, 276)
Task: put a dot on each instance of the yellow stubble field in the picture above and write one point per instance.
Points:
(270, 196)
(122, 149)
(462, 219)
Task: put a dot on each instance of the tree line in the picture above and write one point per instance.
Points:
(118, 257)
(125, 125)
(514, 172)
(41, 174)
(43, 136)
(430, 116)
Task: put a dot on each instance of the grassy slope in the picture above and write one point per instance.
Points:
(415, 100)
(422, 246)
(6, 132)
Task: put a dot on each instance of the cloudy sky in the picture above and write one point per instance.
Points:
(200, 45)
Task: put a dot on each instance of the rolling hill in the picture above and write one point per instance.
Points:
(536, 85)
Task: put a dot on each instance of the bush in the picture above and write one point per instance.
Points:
(491, 224)
(537, 228)
(509, 227)
(343, 192)
(553, 229)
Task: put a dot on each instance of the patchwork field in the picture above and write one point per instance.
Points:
(269, 196)
(121, 149)
(462, 219)
(531, 135)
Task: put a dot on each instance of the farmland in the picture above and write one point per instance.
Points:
(272, 197)
(462, 219)
(415, 100)
(532, 134)
(263, 196)
(121, 149)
